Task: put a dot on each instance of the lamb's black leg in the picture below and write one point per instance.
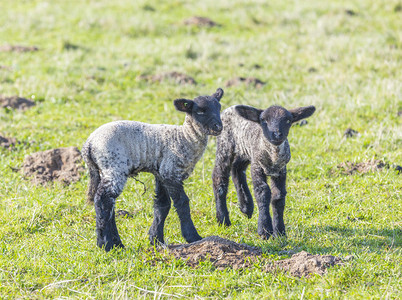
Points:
(244, 198)
(161, 209)
(220, 183)
(182, 205)
(108, 190)
(262, 194)
(278, 185)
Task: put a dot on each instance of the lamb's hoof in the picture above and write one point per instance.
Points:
(155, 241)
(193, 238)
(264, 234)
(109, 246)
(279, 235)
(223, 221)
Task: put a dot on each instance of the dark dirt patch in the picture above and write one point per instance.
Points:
(15, 102)
(350, 133)
(249, 81)
(312, 70)
(18, 48)
(350, 12)
(7, 142)
(124, 214)
(399, 113)
(304, 264)
(177, 77)
(349, 168)
(223, 253)
(301, 123)
(200, 22)
(61, 164)
(398, 7)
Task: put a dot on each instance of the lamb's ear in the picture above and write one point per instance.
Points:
(218, 94)
(184, 105)
(302, 113)
(249, 112)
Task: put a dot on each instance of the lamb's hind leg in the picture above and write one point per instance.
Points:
(245, 200)
(161, 209)
(109, 188)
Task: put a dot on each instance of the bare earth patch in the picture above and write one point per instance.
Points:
(15, 102)
(304, 264)
(61, 164)
(200, 22)
(177, 77)
(7, 142)
(223, 253)
(249, 81)
(350, 133)
(18, 48)
(349, 168)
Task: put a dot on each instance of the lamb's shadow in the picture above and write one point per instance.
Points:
(369, 239)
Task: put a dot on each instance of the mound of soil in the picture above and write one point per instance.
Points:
(304, 264)
(15, 102)
(350, 133)
(7, 142)
(200, 22)
(61, 164)
(349, 168)
(18, 48)
(249, 81)
(223, 253)
(177, 77)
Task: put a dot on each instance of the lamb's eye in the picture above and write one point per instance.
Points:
(200, 112)
(288, 122)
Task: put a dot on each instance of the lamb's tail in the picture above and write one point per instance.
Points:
(94, 176)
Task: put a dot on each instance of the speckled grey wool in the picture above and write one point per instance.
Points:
(120, 149)
(258, 138)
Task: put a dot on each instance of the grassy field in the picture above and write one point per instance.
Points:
(344, 57)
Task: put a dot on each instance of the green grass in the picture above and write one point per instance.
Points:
(86, 74)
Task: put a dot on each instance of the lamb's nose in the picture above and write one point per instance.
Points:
(278, 135)
(217, 127)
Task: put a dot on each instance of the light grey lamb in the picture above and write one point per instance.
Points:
(120, 149)
(258, 138)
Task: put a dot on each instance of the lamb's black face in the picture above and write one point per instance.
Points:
(276, 122)
(205, 110)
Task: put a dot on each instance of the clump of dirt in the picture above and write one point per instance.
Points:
(7, 142)
(350, 133)
(350, 12)
(177, 77)
(249, 81)
(349, 168)
(304, 264)
(18, 48)
(301, 123)
(200, 22)
(15, 102)
(124, 214)
(61, 164)
(223, 253)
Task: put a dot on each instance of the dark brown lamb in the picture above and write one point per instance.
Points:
(258, 138)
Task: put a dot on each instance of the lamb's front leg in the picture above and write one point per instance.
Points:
(182, 204)
(278, 185)
(161, 209)
(262, 194)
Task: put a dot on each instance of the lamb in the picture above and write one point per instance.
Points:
(120, 149)
(258, 138)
